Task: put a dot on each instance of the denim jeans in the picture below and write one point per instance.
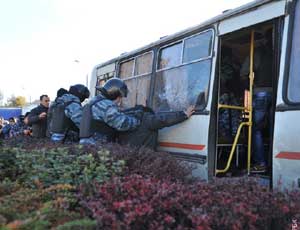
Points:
(261, 106)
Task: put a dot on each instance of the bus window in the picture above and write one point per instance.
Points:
(294, 72)
(126, 69)
(103, 74)
(143, 64)
(179, 87)
(139, 83)
(130, 100)
(184, 85)
(197, 47)
(143, 86)
(170, 56)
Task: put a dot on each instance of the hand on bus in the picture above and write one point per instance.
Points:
(189, 111)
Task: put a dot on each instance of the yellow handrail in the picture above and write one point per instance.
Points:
(221, 106)
(248, 109)
(232, 149)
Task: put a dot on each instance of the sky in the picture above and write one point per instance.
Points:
(49, 44)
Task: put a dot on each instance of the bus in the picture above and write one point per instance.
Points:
(203, 66)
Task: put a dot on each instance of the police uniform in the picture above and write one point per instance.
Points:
(66, 113)
(101, 119)
(147, 133)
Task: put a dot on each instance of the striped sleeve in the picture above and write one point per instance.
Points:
(108, 112)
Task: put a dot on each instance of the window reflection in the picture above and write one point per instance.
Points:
(126, 69)
(143, 64)
(294, 75)
(170, 56)
(138, 91)
(177, 88)
(197, 47)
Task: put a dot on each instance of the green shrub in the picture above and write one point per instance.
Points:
(60, 165)
(84, 224)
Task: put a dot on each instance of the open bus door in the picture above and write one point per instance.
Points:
(243, 38)
(286, 148)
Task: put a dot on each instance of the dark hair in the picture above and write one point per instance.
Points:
(61, 92)
(42, 96)
(12, 119)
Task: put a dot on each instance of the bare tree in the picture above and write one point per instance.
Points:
(1, 97)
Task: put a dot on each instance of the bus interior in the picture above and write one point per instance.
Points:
(233, 89)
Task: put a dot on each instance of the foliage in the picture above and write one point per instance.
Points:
(49, 166)
(39, 208)
(20, 101)
(137, 161)
(146, 162)
(53, 186)
(136, 202)
(14, 101)
(1, 97)
(83, 224)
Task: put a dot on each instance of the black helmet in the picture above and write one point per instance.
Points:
(80, 91)
(114, 88)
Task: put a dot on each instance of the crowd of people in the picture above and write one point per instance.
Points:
(101, 119)
(14, 127)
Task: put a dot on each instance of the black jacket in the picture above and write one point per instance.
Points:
(39, 126)
(146, 134)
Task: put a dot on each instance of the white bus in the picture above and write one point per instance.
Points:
(202, 64)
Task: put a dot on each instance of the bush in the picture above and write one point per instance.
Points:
(135, 202)
(57, 165)
(38, 208)
(84, 224)
(33, 193)
(146, 162)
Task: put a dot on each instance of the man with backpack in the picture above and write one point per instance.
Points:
(66, 113)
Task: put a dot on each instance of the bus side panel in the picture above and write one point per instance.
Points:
(261, 14)
(286, 150)
(189, 138)
(286, 147)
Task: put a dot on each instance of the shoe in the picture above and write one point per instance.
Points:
(258, 169)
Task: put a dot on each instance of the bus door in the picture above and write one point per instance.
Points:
(247, 72)
(182, 78)
(286, 150)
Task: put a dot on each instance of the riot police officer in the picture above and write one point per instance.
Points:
(102, 117)
(66, 113)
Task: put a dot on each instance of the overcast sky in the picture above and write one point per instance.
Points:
(48, 44)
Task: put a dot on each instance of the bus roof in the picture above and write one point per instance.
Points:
(227, 14)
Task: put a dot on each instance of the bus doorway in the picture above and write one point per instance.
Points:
(235, 115)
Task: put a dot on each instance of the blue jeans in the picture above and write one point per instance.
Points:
(261, 106)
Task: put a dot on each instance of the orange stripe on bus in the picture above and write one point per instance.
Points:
(181, 146)
(289, 155)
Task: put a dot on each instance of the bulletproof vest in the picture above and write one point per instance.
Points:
(89, 126)
(60, 123)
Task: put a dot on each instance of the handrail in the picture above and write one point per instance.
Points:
(232, 149)
(248, 109)
(222, 106)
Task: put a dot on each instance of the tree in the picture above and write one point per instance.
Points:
(18, 101)
(1, 97)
